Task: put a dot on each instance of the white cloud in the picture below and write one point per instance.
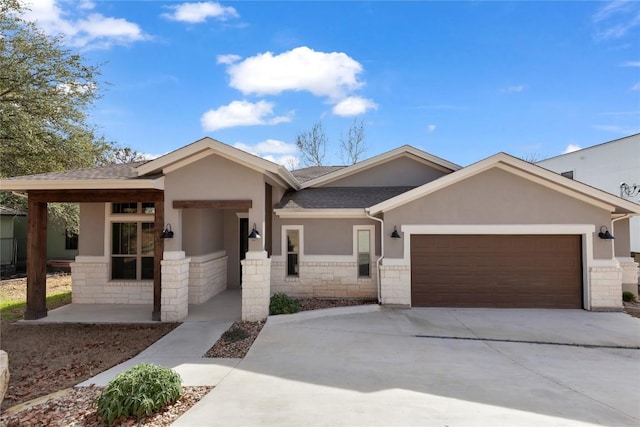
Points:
(630, 64)
(85, 29)
(616, 19)
(199, 12)
(635, 87)
(431, 128)
(273, 150)
(513, 89)
(333, 75)
(241, 113)
(571, 148)
(353, 106)
(227, 59)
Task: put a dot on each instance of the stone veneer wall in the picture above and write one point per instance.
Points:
(256, 275)
(605, 278)
(91, 285)
(207, 277)
(629, 275)
(323, 280)
(175, 287)
(395, 285)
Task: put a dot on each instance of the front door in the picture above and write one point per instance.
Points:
(244, 242)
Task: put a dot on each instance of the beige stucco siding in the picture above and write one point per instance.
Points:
(213, 178)
(324, 236)
(203, 231)
(91, 236)
(497, 197)
(622, 242)
(402, 171)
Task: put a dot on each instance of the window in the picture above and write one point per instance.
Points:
(70, 240)
(145, 208)
(293, 252)
(132, 240)
(568, 174)
(364, 253)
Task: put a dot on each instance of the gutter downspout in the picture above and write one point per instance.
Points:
(366, 212)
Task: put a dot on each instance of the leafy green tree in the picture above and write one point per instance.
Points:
(45, 92)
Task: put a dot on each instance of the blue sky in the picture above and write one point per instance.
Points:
(461, 80)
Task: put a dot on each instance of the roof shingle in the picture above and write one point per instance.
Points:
(114, 171)
(338, 197)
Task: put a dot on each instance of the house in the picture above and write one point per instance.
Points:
(405, 227)
(8, 240)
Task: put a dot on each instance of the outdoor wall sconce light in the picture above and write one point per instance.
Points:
(167, 233)
(604, 234)
(254, 233)
(395, 234)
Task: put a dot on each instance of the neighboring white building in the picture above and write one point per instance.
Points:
(605, 166)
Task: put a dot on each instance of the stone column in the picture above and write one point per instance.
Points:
(605, 277)
(175, 286)
(4, 374)
(629, 275)
(256, 286)
(395, 285)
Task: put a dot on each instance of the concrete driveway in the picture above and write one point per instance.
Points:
(424, 367)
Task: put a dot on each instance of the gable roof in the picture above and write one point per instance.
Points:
(306, 174)
(208, 146)
(338, 197)
(404, 151)
(521, 168)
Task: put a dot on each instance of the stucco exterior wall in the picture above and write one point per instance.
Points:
(91, 236)
(213, 177)
(622, 241)
(497, 197)
(605, 166)
(324, 236)
(202, 231)
(402, 171)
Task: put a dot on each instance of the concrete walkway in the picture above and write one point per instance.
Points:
(182, 349)
(425, 367)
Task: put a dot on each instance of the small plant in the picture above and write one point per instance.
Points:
(235, 334)
(628, 296)
(139, 391)
(283, 304)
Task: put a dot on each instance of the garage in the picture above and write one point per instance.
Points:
(501, 271)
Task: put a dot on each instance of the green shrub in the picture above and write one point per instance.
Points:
(282, 304)
(628, 296)
(139, 391)
(234, 334)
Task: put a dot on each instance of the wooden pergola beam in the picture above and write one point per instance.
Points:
(212, 204)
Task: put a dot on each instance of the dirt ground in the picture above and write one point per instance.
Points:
(47, 358)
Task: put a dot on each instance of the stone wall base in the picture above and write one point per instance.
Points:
(4, 374)
(629, 275)
(91, 285)
(606, 287)
(207, 278)
(323, 280)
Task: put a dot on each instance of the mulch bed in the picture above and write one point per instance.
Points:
(236, 341)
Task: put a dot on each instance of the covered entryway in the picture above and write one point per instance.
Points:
(502, 271)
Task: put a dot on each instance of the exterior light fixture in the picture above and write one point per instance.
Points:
(167, 233)
(629, 191)
(604, 234)
(254, 233)
(395, 234)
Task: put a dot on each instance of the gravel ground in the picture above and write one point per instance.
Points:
(76, 409)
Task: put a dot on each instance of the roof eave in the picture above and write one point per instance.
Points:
(321, 213)
(83, 184)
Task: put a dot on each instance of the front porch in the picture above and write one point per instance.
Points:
(226, 306)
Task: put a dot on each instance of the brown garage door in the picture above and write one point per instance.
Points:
(507, 271)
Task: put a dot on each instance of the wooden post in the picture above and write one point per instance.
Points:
(158, 251)
(36, 261)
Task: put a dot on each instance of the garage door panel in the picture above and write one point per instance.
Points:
(496, 271)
